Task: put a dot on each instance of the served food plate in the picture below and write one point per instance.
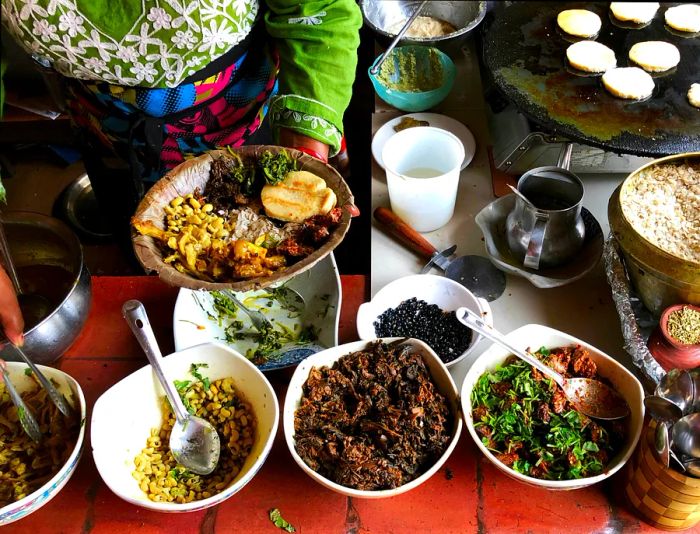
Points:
(195, 320)
(231, 241)
(534, 336)
(433, 119)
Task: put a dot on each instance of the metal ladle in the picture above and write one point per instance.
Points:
(375, 68)
(194, 442)
(591, 397)
(34, 307)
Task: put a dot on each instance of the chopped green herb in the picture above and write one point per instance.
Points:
(194, 371)
(275, 167)
(279, 521)
(28, 371)
(243, 173)
(179, 473)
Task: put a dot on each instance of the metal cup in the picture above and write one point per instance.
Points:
(549, 231)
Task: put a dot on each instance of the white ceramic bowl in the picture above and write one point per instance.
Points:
(447, 294)
(71, 390)
(125, 414)
(441, 377)
(624, 382)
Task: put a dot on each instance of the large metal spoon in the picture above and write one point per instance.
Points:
(24, 414)
(678, 387)
(662, 409)
(590, 397)
(194, 442)
(686, 435)
(375, 68)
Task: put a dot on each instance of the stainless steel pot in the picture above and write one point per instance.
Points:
(38, 240)
(381, 15)
(660, 278)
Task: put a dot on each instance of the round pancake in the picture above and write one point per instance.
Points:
(579, 22)
(637, 12)
(684, 18)
(655, 56)
(591, 56)
(629, 82)
(694, 95)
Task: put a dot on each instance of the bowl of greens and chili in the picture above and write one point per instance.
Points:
(525, 426)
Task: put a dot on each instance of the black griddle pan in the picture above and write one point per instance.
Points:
(525, 52)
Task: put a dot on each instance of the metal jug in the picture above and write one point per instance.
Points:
(547, 231)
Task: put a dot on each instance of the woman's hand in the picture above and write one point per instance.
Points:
(10, 314)
(292, 139)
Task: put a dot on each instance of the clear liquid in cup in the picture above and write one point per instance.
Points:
(422, 172)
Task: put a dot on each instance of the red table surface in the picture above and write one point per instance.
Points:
(466, 495)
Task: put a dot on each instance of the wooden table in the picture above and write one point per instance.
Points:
(467, 495)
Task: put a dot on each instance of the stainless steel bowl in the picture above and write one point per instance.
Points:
(37, 240)
(381, 15)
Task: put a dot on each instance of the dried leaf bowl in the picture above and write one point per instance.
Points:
(194, 174)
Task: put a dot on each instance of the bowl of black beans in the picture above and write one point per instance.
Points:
(422, 306)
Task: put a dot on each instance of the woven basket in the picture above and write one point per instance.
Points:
(194, 173)
(659, 495)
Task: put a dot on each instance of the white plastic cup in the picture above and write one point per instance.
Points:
(422, 171)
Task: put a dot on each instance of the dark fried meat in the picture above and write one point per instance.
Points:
(559, 401)
(507, 458)
(582, 365)
(543, 412)
(501, 389)
(480, 412)
(292, 248)
(559, 361)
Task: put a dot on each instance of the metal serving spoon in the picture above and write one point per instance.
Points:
(24, 414)
(590, 397)
(661, 444)
(662, 410)
(56, 396)
(375, 68)
(260, 322)
(194, 442)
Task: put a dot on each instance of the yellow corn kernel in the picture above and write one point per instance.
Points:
(195, 203)
(207, 208)
(172, 242)
(176, 202)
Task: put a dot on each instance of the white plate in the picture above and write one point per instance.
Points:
(436, 120)
(320, 287)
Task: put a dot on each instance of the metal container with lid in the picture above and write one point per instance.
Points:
(660, 278)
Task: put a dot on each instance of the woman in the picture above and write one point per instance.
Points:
(150, 83)
(153, 82)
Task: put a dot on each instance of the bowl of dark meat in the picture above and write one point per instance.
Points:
(525, 426)
(423, 306)
(372, 419)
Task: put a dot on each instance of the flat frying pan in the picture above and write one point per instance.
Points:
(526, 53)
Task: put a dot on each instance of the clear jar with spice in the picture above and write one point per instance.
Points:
(675, 343)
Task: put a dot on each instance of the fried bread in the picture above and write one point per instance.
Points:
(296, 198)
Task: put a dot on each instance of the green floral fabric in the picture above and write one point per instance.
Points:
(151, 43)
(159, 43)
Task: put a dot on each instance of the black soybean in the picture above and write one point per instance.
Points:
(441, 330)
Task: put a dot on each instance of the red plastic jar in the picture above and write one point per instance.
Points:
(669, 352)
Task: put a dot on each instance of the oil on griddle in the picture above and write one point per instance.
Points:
(526, 53)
